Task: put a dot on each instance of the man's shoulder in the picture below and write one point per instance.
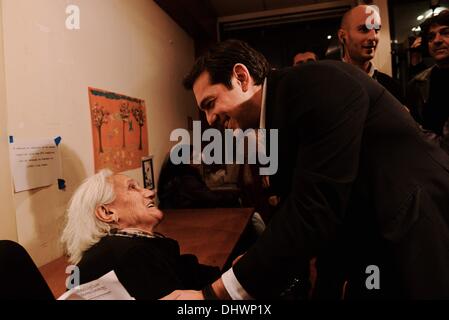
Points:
(322, 64)
(385, 79)
(382, 75)
(423, 76)
(312, 72)
(391, 84)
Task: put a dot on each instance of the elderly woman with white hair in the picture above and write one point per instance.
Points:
(110, 226)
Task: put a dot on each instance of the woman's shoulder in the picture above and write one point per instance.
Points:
(123, 244)
(113, 249)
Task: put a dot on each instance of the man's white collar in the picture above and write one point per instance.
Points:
(372, 68)
(263, 107)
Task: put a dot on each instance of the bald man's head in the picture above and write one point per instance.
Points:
(345, 19)
(358, 33)
(369, 12)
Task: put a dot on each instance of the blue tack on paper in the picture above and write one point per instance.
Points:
(11, 139)
(61, 184)
(58, 141)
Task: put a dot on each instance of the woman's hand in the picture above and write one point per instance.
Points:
(184, 295)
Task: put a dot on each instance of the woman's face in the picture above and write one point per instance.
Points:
(134, 205)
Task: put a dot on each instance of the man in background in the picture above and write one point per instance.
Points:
(359, 38)
(426, 93)
(303, 57)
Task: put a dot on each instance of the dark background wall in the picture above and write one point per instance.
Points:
(279, 43)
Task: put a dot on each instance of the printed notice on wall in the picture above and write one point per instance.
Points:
(34, 163)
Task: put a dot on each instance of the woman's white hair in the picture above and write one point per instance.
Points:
(83, 228)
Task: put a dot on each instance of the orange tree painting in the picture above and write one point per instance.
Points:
(139, 115)
(124, 115)
(99, 118)
(117, 145)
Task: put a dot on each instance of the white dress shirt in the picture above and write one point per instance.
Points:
(230, 282)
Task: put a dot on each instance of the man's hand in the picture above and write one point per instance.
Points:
(184, 295)
(417, 43)
(218, 288)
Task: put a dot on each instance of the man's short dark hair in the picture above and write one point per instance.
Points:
(440, 20)
(220, 59)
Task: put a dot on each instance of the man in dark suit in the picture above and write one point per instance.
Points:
(342, 176)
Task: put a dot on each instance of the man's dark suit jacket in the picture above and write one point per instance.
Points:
(357, 177)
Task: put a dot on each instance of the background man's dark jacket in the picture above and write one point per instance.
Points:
(390, 84)
(357, 177)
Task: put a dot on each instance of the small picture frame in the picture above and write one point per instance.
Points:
(147, 172)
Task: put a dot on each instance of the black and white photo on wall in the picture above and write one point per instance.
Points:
(147, 171)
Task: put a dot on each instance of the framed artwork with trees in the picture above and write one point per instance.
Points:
(119, 130)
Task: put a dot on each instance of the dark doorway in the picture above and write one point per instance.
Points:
(279, 43)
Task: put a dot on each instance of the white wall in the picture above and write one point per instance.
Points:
(126, 46)
(7, 212)
(382, 60)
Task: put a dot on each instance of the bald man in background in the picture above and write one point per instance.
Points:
(359, 38)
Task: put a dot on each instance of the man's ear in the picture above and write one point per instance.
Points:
(342, 36)
(104, 214)
(241, 73)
